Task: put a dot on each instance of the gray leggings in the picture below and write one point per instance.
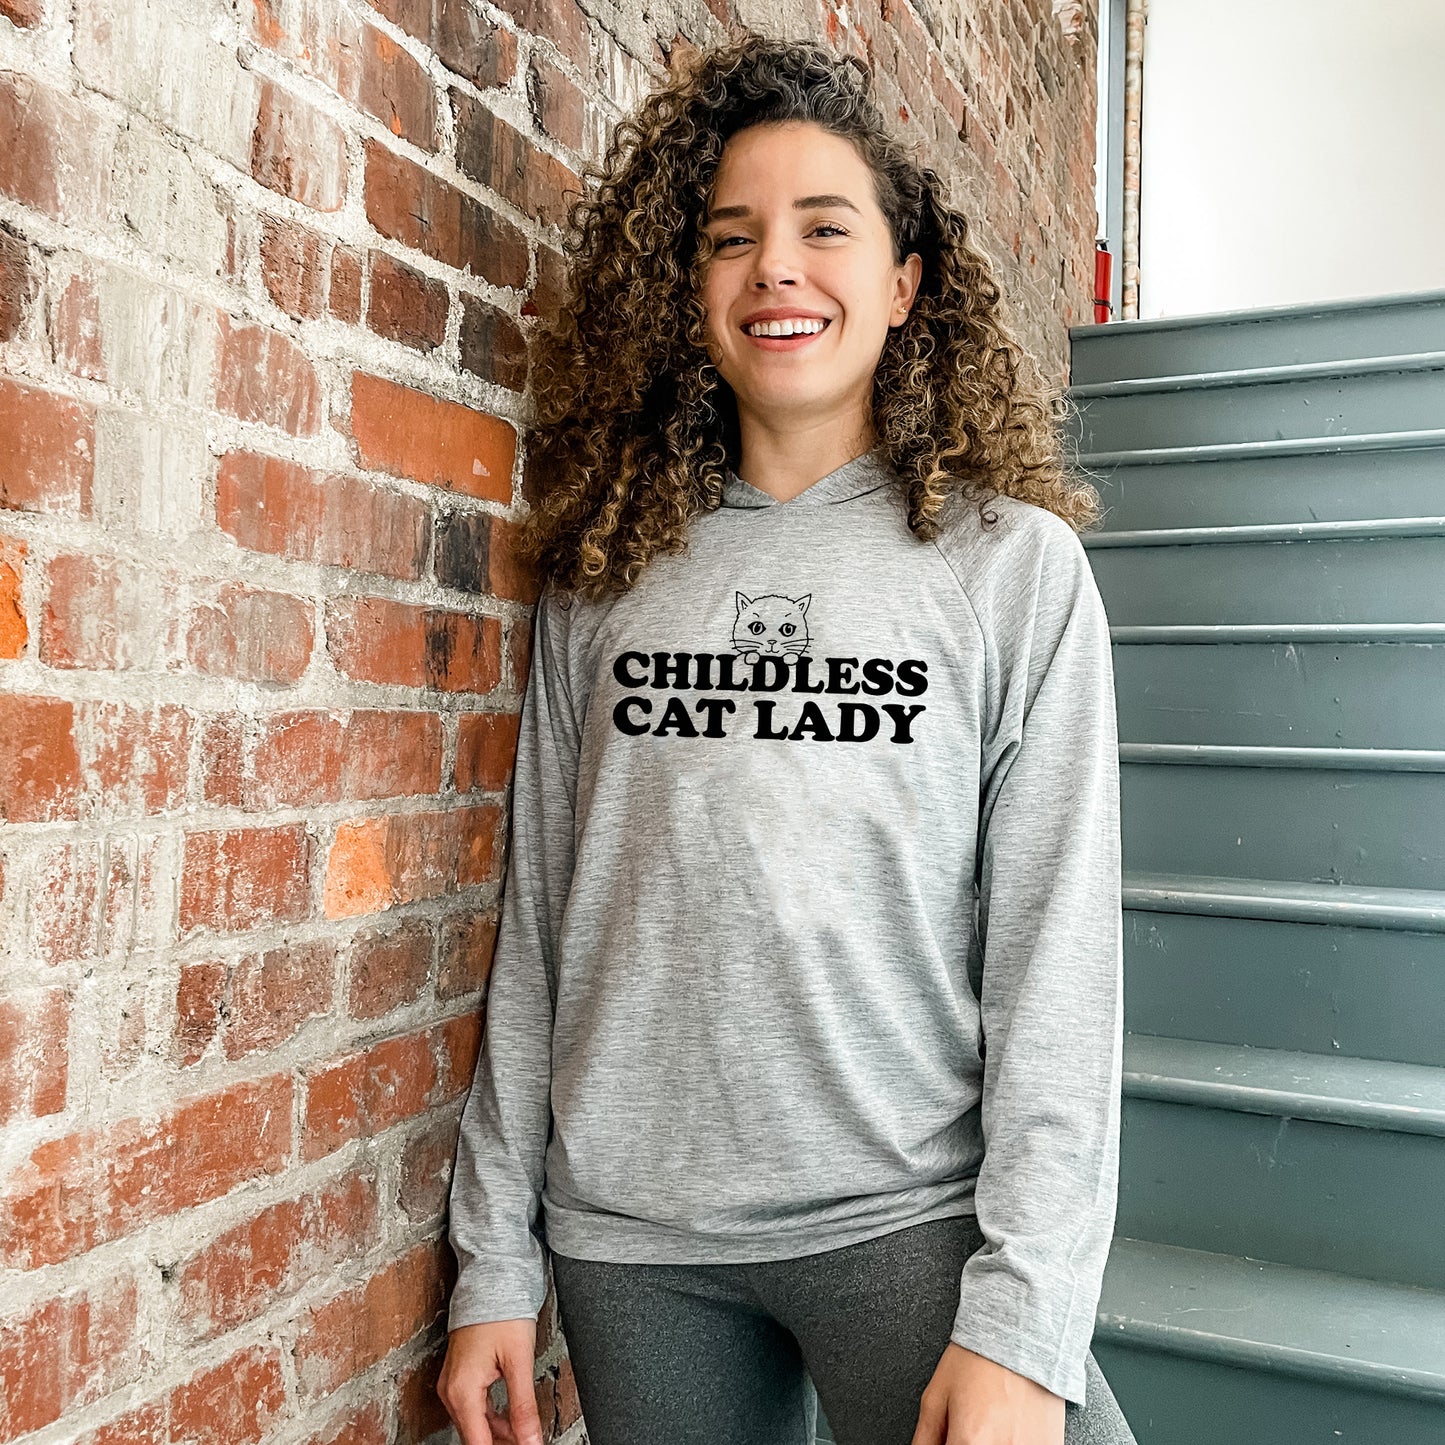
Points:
(741, 1354)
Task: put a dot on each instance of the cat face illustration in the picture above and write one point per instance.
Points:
(771, 624)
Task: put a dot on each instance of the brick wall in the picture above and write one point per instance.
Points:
(266, 272)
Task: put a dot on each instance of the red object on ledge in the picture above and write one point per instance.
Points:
(1103, 275)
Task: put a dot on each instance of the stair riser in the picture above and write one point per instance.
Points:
(1293, 1191)
(1310, 694)
(1386, 579)
(1122, 351)
(1172, 1399)
(1306, 824)
(1369, 993)
(1326, 487)
(1265, 411)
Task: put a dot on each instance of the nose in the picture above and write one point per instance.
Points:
(774, 262)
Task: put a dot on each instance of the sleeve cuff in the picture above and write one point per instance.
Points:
(990, 1322)
(504, 1290)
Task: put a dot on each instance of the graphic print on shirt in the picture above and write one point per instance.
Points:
(771, 624)
(770, 641)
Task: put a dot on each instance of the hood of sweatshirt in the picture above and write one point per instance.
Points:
(865, 473)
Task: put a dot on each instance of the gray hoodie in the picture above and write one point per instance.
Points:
(813, 887)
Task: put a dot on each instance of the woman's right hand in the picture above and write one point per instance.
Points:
(477, 1357)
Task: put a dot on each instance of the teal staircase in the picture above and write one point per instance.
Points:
(1272, 560)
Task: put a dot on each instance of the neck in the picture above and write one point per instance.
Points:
(784, 463)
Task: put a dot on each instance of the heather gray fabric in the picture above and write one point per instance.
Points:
(740, 1354)
(813, 888)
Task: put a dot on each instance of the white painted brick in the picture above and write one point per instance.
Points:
(169, 66)
(150, 474)
(167, 203)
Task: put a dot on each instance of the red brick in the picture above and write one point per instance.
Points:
(239, 878)
(252, 636)
(108, 613)
(406, 306)
(48, 461)
(39, 765)
(486, 751)
(492, 344)
(65, 1353)
(389, 969)
(139, 758)
(298, 151)
(57, 152)
(461, 37)
(503, 159)
(426, 1170)
(519, 650)
(85, 1189)
(235, 1403)
(557, 105)
(407, 203)
(420, 1412)
(23, 12)
(362, 1326)
(272, 1255)
(295, 267)
(265, 377)
(551, 286)
(374, 639)
(367, 1425)
(306, 758)
(363, 1094)
(411, 434)
(345, 298)
(65, 900)
(145, 1425)
(276, 506)
(34, 1053)
(458, 1041)
(395, 89)
(378, 863)
(75, 333)
(14, 630)
(200, 1002)
(255, 1004)
(222, 763)
(354, 59)
(467, 945)
(509, 574)
(561, 21)
(17, 284)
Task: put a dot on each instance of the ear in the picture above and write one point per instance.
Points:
(803, 601)
(744, 601)
(905, 290)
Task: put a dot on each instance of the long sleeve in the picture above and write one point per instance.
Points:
(506, 1124)
(1051, 931)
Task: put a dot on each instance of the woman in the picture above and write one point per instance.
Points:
(814, 877)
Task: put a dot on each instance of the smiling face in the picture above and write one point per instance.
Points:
(798, 230)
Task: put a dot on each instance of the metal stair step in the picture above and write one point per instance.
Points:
(1255, 1313)
(1365, 1093)
(1318, 577)
(1259, 336)
(1371, 397)
(1237, 490)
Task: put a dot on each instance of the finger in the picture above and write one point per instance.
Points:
(522, 1398)
(468, 1408)
(931, 1422)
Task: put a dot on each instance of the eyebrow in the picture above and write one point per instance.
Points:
(803, 203)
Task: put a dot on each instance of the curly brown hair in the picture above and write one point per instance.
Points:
(633, 427)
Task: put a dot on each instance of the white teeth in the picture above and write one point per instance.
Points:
(785, 328)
